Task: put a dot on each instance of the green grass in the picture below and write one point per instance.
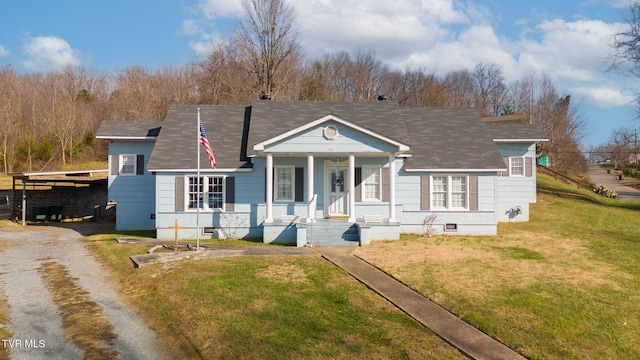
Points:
(266, 308)
(565, 285)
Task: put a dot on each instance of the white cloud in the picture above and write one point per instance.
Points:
(3, 52)
(49, 53)
(446, 35)
(218, 8)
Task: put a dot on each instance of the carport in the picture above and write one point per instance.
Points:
(59, 195)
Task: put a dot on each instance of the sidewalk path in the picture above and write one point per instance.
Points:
(600, 177)
(466, 338)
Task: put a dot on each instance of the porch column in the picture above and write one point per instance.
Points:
(269, 216)
(352, 188)
(311, 203)
(392, 188)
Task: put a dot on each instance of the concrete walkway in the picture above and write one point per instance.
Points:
(600, 177)
(471, 341)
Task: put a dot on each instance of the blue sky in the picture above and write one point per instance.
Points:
(566, 39)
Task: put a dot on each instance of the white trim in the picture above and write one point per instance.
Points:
(106, 137)
(269, 190)
(276, 183)
(363, 198)
(260, 146)
(524, 164)
(217, 170)
(327, 185)
(455, 170)
(520, 140)
(351, 195)
(205, 192)
(121, 164)
(449, 193)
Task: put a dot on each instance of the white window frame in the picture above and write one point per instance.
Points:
(121, 163)
(511, 167)
(449, 192)
(205, 194)
(363, 183)
(276, 183)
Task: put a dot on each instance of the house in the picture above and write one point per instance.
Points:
(302, 172)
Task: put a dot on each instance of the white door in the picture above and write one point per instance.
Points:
(336, 184)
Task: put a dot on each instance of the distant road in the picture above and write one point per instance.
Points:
(600, 177)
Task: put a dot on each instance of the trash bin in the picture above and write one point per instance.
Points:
(608, 171)
(620, 177)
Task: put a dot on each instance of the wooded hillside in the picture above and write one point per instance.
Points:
(48, 119)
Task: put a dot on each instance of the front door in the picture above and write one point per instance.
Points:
(336, 184)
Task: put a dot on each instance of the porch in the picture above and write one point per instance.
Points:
(329, 232)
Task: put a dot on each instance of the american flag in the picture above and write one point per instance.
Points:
(207, 146)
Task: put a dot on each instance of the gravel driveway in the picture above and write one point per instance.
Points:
(34, 319)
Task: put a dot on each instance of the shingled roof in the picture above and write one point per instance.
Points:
(450, 138)
(132, 130)
(177, 147)
(271, 118)
(517, 132)
(439, 138)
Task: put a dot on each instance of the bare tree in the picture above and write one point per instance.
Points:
(460, 89)
(626, 47)
(422, 88)
(268, 38)
(489, 88)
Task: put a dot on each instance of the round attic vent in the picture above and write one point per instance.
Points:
(330, 132)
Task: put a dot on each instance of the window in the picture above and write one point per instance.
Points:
(371, 183)
(216, 192)
(459, 191)
(284, 183)
(195, 192)
(516, 166)
(128, 164)
(213, 192)
(449, 192)
(439, 191)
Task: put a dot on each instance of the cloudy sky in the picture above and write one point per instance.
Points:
(566, 39)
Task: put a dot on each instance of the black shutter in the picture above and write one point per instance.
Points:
(358, 180)
(179, 193)
(230, 194)
(299, 184)
(425, 201)
(139, 164)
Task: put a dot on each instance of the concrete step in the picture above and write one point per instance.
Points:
(333, 233)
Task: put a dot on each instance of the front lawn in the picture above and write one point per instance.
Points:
(266, 308)
(565, 285)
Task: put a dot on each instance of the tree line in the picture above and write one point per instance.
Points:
(49, 119)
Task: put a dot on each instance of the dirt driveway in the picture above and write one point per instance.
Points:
(37, 319)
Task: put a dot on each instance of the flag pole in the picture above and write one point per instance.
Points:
(198, 182)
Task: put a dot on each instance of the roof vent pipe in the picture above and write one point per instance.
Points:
(382, 98)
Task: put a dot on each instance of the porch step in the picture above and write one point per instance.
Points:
(333, 233)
